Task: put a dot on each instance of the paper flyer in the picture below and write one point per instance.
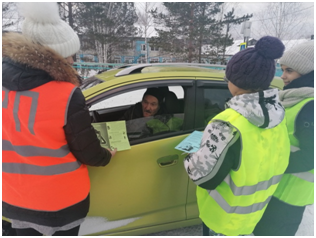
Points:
(112, 135)
(191, 143)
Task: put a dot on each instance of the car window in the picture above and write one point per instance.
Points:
(214, 102)
(178, 90)
(127, 98)
(130, 98)
(115, 108)
(156, 125)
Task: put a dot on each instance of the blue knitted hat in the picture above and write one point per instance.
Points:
(254, 68)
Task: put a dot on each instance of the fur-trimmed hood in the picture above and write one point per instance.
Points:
(24, 62)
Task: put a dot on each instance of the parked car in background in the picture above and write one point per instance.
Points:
(145, 189)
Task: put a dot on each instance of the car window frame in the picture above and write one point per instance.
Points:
(201, 84)
(189, 96)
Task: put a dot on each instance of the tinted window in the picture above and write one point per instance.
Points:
(214, 102)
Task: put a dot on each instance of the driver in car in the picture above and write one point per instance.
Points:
(150, 105)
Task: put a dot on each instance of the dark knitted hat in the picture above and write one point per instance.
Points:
(254, 68)
(156, 92)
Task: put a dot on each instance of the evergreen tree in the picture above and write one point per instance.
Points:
(185, 27)
(222, 41)
(105, 26)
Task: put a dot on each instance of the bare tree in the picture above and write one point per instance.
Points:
(10, 16)
(67, 12)
(285, 20)
(146, 21)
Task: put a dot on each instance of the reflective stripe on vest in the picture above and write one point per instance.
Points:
(237, 209)
(297, 188)
(247, 190)
(17, 168)
(28, 150)
(307, 176)
(38, 170)
(238, 203)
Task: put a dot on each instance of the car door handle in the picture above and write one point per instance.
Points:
(168, 160)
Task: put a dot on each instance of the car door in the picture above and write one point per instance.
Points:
(211, 96)
(146, 185)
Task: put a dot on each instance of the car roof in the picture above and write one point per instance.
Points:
(154, 68)
(142, 71)
(131, 72)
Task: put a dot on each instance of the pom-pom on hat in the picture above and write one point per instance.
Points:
(254, 68)
(156, 92)
(43, 25)
(300, 58)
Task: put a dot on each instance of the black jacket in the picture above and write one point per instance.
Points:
(24, 70)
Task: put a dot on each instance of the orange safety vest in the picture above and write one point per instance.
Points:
(38, 170)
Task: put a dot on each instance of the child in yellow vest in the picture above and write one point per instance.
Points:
(245, 149)
(296, 189)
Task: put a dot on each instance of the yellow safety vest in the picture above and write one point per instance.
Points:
(297, 188)
(237, 204)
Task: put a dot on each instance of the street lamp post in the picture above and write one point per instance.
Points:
(246, 31)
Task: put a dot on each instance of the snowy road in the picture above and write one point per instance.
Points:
(306, 228)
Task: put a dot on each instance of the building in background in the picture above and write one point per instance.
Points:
(139, 51)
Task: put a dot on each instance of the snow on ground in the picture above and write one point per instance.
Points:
(307, 225)
(306, 228)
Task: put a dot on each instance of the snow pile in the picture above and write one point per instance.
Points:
(307, 225)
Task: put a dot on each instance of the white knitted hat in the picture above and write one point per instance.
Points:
(300, 58)
(43, 24)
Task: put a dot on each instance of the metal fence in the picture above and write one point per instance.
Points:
(95, 66)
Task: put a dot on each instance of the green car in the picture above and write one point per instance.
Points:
(145, 189)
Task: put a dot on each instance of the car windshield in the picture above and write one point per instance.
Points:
(90, 82)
